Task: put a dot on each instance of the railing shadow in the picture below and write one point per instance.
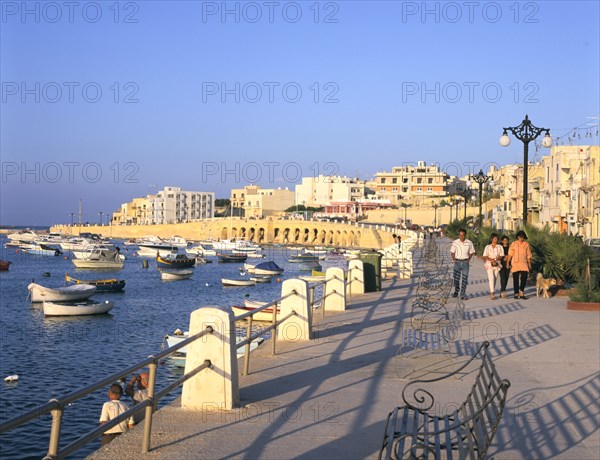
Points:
(496, 310)
(543, 430)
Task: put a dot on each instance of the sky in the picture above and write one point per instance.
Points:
(106, 101)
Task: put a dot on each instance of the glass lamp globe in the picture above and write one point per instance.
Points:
(547, 141)
(504, 140)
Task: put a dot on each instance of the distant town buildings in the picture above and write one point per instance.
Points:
(169, 206)
(258, 202)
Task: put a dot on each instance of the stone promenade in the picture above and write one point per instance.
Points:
(329, 399)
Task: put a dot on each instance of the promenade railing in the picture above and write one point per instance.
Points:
(56, 406)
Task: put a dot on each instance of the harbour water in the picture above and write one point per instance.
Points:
(54, 356)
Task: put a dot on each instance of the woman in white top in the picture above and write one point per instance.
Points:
(493, 254)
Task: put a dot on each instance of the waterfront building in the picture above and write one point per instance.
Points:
(171, 205)
(258, 202)
(321, 190)
(411, 183)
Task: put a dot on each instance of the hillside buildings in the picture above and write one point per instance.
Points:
(258, 202)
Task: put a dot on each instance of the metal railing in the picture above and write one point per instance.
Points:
(56, 406)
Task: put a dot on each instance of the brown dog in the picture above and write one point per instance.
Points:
(542, 285)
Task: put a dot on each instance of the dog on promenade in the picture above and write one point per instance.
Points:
(542, 285)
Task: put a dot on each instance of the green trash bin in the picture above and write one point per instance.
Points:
(372, 270)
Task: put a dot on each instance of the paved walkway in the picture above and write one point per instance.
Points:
(328, 399)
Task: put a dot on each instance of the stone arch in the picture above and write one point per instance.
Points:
(330, 237)
(352, 240)
(243, 232)
(286, 236)
(234, 232)
(224, 233)
(337, 236)
(306, 236)
(344, 241)
(276, 232)
(296, 235)
(251, 234)
(322, 237)
(315, 236)
(261, 235)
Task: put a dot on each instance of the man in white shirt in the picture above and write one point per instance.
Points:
(462, 250)
(139, 395)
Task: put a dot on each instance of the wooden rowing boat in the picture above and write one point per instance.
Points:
(83, 308)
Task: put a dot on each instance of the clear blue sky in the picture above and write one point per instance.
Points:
(369, 60)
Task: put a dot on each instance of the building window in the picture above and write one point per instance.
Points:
(394, 180)
(394, 189)
(430, 180)
(383, 180)
(419, 180)
(429, 189)
(404, 189)
(405, 180)
(419, 189)
(382, 189)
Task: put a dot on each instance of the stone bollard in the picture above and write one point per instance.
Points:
(356, 277)
(335, 289)
(215, 388)
(297, 327)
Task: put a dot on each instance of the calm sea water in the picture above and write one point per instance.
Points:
(54, 356)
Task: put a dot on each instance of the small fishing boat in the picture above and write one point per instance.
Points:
(173, 275)
(254, 255)
(262, 278)
(201, 260)
(309, 266)
(249, 268)
(102, 285)
(200, 250)
(175, 260)
(100, 258)
(237, 282)
(231, 258)
(267, 268)
(264, 315)
(88, 307)
(306, 257)
(41, 293)
(4, 264)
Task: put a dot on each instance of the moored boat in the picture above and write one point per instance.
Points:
(237, 282)
(102, 285)
(263, 315)
(268, 268)
(305, 257)
(231, 258)
(309, 266)
(262, 278)
(174, 275)
(175, 260)
(41, 293)
(101, 259)
(4, 264)
(39, 249)
(88, 307)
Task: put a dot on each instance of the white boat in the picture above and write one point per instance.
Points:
(250, 255)
(26, 236)
(268, 268)
(101, 259)
(173, 275)
(237, 282)
(152, 246)
(89, 307)
(41, 293)
(86, 252)
(236, 244)
(249, 268)
(200, 250)
(39, 249)
(262, 278)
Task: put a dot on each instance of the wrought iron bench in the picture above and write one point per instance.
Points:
(414, 431)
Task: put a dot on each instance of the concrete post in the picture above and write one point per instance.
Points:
(217, 387)
(356, 278)
(335, 289)
(298, 327)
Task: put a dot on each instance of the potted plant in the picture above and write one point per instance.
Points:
(586, 295)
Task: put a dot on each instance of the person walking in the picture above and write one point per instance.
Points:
(504, 270)
(519, 259)
(461, 251)
(493, 254)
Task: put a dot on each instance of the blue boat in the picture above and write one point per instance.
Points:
(102, 285)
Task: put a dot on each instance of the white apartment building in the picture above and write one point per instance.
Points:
(261, 202)
(173, 205)
(321, 190)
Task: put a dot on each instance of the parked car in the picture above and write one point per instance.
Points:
(594, 243)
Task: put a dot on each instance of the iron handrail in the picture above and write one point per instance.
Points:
(56, 406)
(270, 327)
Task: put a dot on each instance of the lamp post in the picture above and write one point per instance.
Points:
(100, 217)
(72, 215)
(456, 203)
(405, 206)
(481, 179)
(451, 203)
(435, 206)
(525, 132)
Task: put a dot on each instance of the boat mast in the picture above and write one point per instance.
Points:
(80, 210)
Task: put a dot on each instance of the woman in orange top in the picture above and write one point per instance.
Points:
(519, 259)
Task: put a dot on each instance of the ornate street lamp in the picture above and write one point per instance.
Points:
(100, 212)
(481, 179)
(72, 215)
(525, 132)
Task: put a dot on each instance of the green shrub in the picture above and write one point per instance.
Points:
(585, 293)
